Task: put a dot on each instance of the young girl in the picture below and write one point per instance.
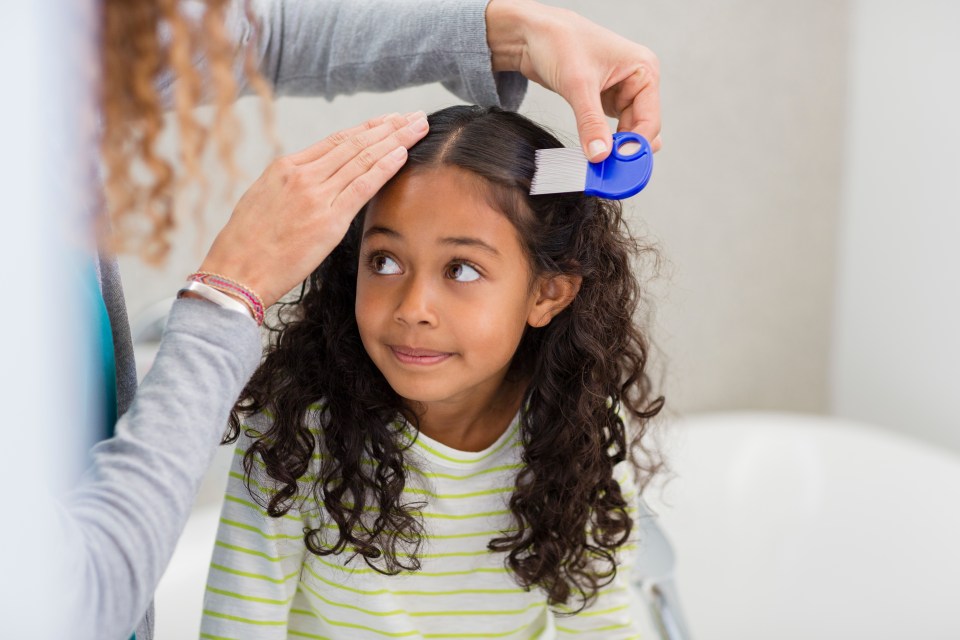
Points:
(435, 445)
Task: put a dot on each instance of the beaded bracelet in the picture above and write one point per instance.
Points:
(232, 287)
(215, 296)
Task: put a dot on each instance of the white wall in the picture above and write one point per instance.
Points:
(896, 344)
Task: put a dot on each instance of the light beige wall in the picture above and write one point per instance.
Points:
(743, 202)
(896, 350)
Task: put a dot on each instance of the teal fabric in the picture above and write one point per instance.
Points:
(103, 361)
(102, 385)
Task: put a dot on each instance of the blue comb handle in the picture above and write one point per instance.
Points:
(621, 176)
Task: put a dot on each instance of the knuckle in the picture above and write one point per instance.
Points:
(298, 180)
(360, 189)
(590, 119)
(281, 166)
(649, 68)
(338, 138)
(360, 141)
(366, 159)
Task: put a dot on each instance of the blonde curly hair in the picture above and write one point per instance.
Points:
(145, 44)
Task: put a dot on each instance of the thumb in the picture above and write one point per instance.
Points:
(595, 136)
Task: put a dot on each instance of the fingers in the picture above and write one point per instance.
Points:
(363, 149)
(363, 187)
(321, 148)
(363, 154)
(638, 103)
(377, 126)
(595, 136)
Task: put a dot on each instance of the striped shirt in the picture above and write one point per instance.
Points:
(265, 584)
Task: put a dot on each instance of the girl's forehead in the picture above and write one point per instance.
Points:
(438, 201)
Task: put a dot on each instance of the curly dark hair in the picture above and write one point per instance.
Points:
(586, 367)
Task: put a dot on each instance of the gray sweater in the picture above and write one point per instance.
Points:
(121, 524)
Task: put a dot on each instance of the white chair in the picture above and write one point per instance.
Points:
(792, 526)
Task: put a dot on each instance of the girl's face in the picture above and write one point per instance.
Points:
(444, 288)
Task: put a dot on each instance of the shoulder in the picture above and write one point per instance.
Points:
(259, 438)
(259, 425)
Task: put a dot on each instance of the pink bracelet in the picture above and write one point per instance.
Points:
(232, 287)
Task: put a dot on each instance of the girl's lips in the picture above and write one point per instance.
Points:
(411, 355)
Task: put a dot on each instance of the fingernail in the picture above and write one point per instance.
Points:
(419, 126)
(397, 154)
(414, 115)
(596, 147)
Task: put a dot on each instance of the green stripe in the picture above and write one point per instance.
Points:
(269, 491)
(408, 592)
(422, 614)
(464, 516)
(450, 476)
(427, 574)
(457, 496)
(255, 507)
(502, 634)
(335, 527)
(350, 625)
(409, 468)
(238, 596)
(602, 612)
(252, 552)
(304, 634)
(609, 627)
(266, 536)
(447, 554)
(508, 440)
(207, 636)
(476, 534)
(342, 605)
(265, 623)
(255, 576)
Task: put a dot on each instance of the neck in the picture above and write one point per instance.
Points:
(474, 422)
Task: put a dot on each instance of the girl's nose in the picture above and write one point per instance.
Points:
(416, 304)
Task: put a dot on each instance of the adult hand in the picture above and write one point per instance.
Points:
(594, 69)
(297, 212)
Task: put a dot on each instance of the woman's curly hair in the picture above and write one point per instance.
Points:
(586, 367)
(168, 54)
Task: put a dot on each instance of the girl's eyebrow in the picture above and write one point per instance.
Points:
(463, 241)
(459, 241)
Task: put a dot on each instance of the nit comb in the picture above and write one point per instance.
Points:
(623, 174)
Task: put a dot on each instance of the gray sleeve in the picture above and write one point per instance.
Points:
(121, 525)
(333, 47)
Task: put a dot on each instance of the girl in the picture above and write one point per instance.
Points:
(435, 444)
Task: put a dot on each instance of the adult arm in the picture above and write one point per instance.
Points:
(331, 47)
(120, 526)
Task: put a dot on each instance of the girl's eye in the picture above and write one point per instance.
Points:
(383, 265)
(462, 272)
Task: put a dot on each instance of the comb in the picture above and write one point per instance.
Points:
(623, 174)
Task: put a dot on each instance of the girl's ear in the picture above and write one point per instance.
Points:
(552, 296)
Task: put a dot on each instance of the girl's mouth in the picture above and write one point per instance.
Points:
(414, 355)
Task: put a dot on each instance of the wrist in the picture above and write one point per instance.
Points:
(239, 272)
(508, 22)
(226, 292)
(222, 299)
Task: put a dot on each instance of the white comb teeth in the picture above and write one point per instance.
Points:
(559, 171)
